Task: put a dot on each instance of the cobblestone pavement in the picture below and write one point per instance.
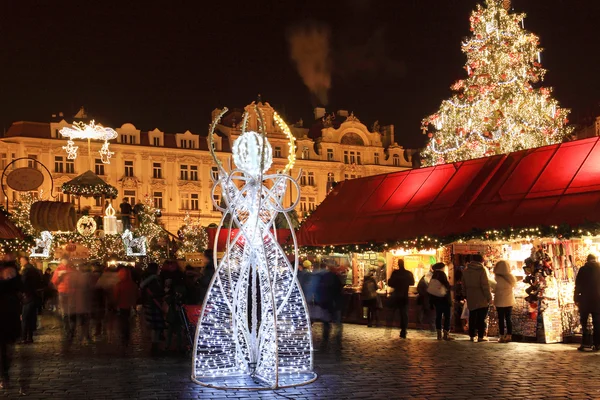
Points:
(373, 364)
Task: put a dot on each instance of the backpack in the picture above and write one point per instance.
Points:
(436, 288)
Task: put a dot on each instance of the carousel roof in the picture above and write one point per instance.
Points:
(89, 184)
(551, 185)
(8, 230)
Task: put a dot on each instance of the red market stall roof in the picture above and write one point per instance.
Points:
(551, 185)
(8, 230)
(282, 237)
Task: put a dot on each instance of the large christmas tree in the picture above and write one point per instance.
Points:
(500, 106)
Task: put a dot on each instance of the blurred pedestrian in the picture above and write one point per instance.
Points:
(587, 298)
(400, 280)
(424, 305)
(32, 283)
(49, 300)
(10, 310)
(368, 296)
(331, 298)
(174, 293)
(126, 296)
(79, 303)
(126, 214)
(439, 291)
(153, 294)
(60, 280)
(476, 287)
(207, 274)
(504, 299)
(98, 301)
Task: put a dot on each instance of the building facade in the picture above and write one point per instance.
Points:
(176, 169)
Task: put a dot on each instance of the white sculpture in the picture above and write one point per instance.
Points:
(254, 329)
(110, 220)
(42, 245)
(134, 247)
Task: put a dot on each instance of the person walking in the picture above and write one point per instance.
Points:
(369, 297)
(207, 274)
(587, 298)
(79, 303)
(330, 298)
(504, 299)
(11, 287)
(152, 295)
(424, 305)
(126, 296)
(60, 280)
(400, 280)
(476, 287)
(439, 292)
(32, 282)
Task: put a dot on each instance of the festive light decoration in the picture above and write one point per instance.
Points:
(149, 228)
(255, 322)
(496, 109)
(86, 225)
(134, 247)
(21, 212)
(106, 190)
(110, 221)
(193, 236)
(88, 132)
(42, 245)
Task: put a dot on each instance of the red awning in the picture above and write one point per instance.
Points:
(8, 230)
(552, 185)
(282, 236)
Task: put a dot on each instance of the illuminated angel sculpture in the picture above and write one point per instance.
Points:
(254, 330)
(89, 131)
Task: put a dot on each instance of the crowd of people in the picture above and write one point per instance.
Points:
(97, 302)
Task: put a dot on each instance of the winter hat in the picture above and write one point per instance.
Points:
(307, 264)
(438, 266)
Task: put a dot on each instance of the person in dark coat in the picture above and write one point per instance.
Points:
(32, 283)
(207, 275)
(369, 297)
(153, 294)
(126, 214)
(587, 298)
(10, 311)
(441, 303)
(400, 280)
(331, 298)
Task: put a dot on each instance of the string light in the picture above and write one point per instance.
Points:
(42, 245)
(134, 247)
(503, 61)
(88, 132)
(254, 321)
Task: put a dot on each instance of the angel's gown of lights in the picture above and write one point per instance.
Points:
(254, 330)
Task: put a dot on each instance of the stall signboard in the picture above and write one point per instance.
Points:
(80, 252)
(466, 248)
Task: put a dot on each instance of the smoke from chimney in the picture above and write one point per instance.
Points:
(310, 51)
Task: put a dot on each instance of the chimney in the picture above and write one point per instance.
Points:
(342, 113)
(319, 112)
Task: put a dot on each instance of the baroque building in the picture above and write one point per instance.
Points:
(177, 171)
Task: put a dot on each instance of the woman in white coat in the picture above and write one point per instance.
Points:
(504, 299)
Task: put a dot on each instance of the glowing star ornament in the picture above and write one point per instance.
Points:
(134, 247)
(254, 330)
(42, 245)
(86, 225)
(91, 131)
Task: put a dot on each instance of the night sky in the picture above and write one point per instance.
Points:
(167, 64)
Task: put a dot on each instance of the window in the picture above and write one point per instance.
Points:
(352, 158)
(183, 144)
(185, 201)
(13, 157)
(58, 164)
(158, 200)
(123, 138)
(156, 141)
(130, 196)
(305, 153)
(329, 154)
(69, 166)
(277, 152)
(376, 158)
(60, 195)
(311, 204)
(128, 138)
(358, 160)
(186, 144)
(31, 163)
(128, 168)
(346, 159)
(193, 172)
(396, 160)
(216, 200)
(195, 201)
(214, 173)
(157, 170)
(98, 201)
(330, 180)
(311, 179)
(98, 167)
(303, 179)
(183, 172)
(303, 205)
(3, 161)
(56, 133)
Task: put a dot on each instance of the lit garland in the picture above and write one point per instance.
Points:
(560, 232)
(255, 321)
(496, 110)
(88, 132)
(194, 237)
(96, 190)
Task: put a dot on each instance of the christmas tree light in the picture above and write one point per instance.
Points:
(499, 107)
(194, 237)
(254, 330)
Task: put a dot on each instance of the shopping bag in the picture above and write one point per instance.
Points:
(465, 311)
(436, 288)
